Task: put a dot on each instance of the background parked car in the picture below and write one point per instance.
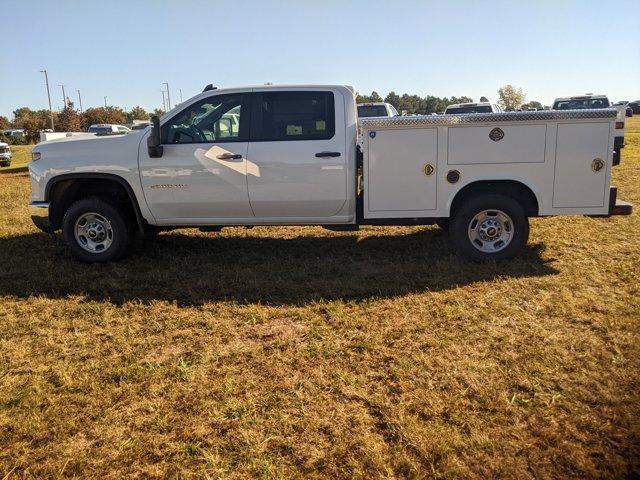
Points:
(107, 128)
(581, 102)
(628, 110)
(376, 109)
(480, 107)
(635, 107)
(5, 155)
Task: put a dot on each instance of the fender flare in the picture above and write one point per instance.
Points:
(140, 220)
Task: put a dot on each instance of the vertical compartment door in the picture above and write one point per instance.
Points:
(577, 183)
(402, 171)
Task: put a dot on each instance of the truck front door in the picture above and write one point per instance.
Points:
(202, 174)
(297, 154)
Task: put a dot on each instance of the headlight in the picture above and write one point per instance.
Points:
(35, 156)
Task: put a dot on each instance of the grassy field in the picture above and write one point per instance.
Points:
(302, 353)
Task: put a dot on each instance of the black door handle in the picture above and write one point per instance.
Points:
(229, 156)
(327, 154)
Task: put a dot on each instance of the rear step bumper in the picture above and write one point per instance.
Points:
(618, 207)
(622, 208)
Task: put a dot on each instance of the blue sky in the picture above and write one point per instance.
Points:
(127, 49)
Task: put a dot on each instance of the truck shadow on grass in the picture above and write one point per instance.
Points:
(192, 270)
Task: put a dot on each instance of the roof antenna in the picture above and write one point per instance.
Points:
(209, 87)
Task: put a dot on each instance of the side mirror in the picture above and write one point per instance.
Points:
(154, 144)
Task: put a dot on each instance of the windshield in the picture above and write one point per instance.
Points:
(99, 130)
(462, 110)
(581, 104)
(372, 111)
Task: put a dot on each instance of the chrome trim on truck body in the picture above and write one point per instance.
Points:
(40, 215)
(543, 115)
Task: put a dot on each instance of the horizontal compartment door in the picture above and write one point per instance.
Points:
(496, 144)
(402, 170)
(576, 184)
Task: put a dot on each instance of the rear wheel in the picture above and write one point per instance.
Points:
(96, 231)
(489, 227)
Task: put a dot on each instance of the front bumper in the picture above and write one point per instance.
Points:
(40, 215)
(5, 156)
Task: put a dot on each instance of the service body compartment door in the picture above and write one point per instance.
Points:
(402, 171)
(580, 148)
(497, 144)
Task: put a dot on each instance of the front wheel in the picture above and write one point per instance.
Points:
(96, 231)
(489, 227)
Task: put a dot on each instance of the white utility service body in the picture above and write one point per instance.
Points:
(292, 155)
(549, 152)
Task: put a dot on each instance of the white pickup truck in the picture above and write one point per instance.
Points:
(289, 155)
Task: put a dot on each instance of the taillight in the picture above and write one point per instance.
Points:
(619, 125)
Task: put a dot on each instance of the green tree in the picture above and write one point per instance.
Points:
(375, 97)
(159, 112)
(393, 99)
(5, 124)
(533, 105)
(69, 120)
(32, 121)
(484, 99)
(92, 116)
(137, 113)
(511, 98)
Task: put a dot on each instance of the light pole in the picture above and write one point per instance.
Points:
(64, 98)
(164, 105)
(168, 96)
(105, 101)
(80, 100)
(46, 78)
(180, 95)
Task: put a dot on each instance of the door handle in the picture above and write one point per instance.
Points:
(327, 154)
(229, 156)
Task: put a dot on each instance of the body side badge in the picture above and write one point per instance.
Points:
(496, 134)
(372, 134)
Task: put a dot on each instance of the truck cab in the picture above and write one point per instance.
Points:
(292, 155)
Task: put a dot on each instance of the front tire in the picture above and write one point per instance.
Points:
(96, 231)
(489, 227)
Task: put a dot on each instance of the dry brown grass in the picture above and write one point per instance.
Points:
(301, 353)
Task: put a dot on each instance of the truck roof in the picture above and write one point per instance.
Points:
(372, 104)
(470, 104)
(580, 97)
(267, 86)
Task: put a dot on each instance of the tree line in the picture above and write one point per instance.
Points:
(510, 98)
(69, 119)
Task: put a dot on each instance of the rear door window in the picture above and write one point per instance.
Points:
(279, 116)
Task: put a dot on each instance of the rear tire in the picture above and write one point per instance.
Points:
(489, 227)
(97, 231)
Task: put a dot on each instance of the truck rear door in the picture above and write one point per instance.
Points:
(297, 153)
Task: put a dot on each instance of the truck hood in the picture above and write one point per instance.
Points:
(87, 137)
(90, 152)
